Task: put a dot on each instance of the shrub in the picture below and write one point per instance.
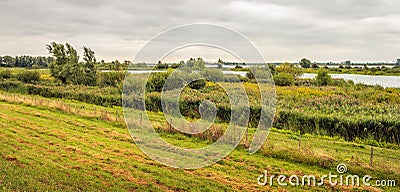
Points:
(12, 86)
(28, 76)
(213, 75)
(6, 74)
(232, 78)
(161, 66)
(110, 78)
(156, 81)
(289, 68)
(284, 79)
(198, 84)
(323, 78)
(250, 75)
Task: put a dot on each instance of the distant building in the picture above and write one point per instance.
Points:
(398, 61)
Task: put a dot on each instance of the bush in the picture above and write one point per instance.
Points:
(232, 78)
(12, 86)
(156, 81)
(250, 75)
(198, 84)
(6, 74)
(284, 79)
(323, 78)
(213, 75)
(110, 78)
(28, 76)
(161, 66)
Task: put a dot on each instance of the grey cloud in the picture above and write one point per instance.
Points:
(282, 29)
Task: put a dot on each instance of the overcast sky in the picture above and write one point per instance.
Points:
(283, 30)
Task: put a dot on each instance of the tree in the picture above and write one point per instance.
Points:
(115, 65)
(8, 61)
(66, 66)
(59, 68)
(89, 67)
(305, 63)
(160, 65)
(272, 68)
(323, 78)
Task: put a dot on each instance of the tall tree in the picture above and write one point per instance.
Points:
(8, 61)
(90, 70)
(305, 63)
(66, 66)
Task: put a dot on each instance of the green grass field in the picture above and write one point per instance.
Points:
(46, 148)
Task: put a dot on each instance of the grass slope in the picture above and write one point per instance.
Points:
(43, 149)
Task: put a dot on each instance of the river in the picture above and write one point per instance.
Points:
(384, 81)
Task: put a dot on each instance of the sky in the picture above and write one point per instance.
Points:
(282, 30)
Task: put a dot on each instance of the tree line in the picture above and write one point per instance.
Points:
(25, 61)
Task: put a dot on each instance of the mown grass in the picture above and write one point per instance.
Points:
(49, 149)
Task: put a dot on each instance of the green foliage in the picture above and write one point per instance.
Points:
(160, 65)
(116, 65)
(198, 84)
(88, 70)
(5, 74)
(272, 68)
(156, 81)
(139, 65)
(8, 61)
(284, 79)
(213, 74)
(25, 61)
(28, 76)
(67, 68)
(262, 73)
(305, 63)
(323, 78)
(178, 78)
(112, 78)
(289, 68)
(250, 75)
(12, 86)
(175, 65)
(230, 78)
(366, 70)
(199, 64)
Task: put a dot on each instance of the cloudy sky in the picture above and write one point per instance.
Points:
(283, 30)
